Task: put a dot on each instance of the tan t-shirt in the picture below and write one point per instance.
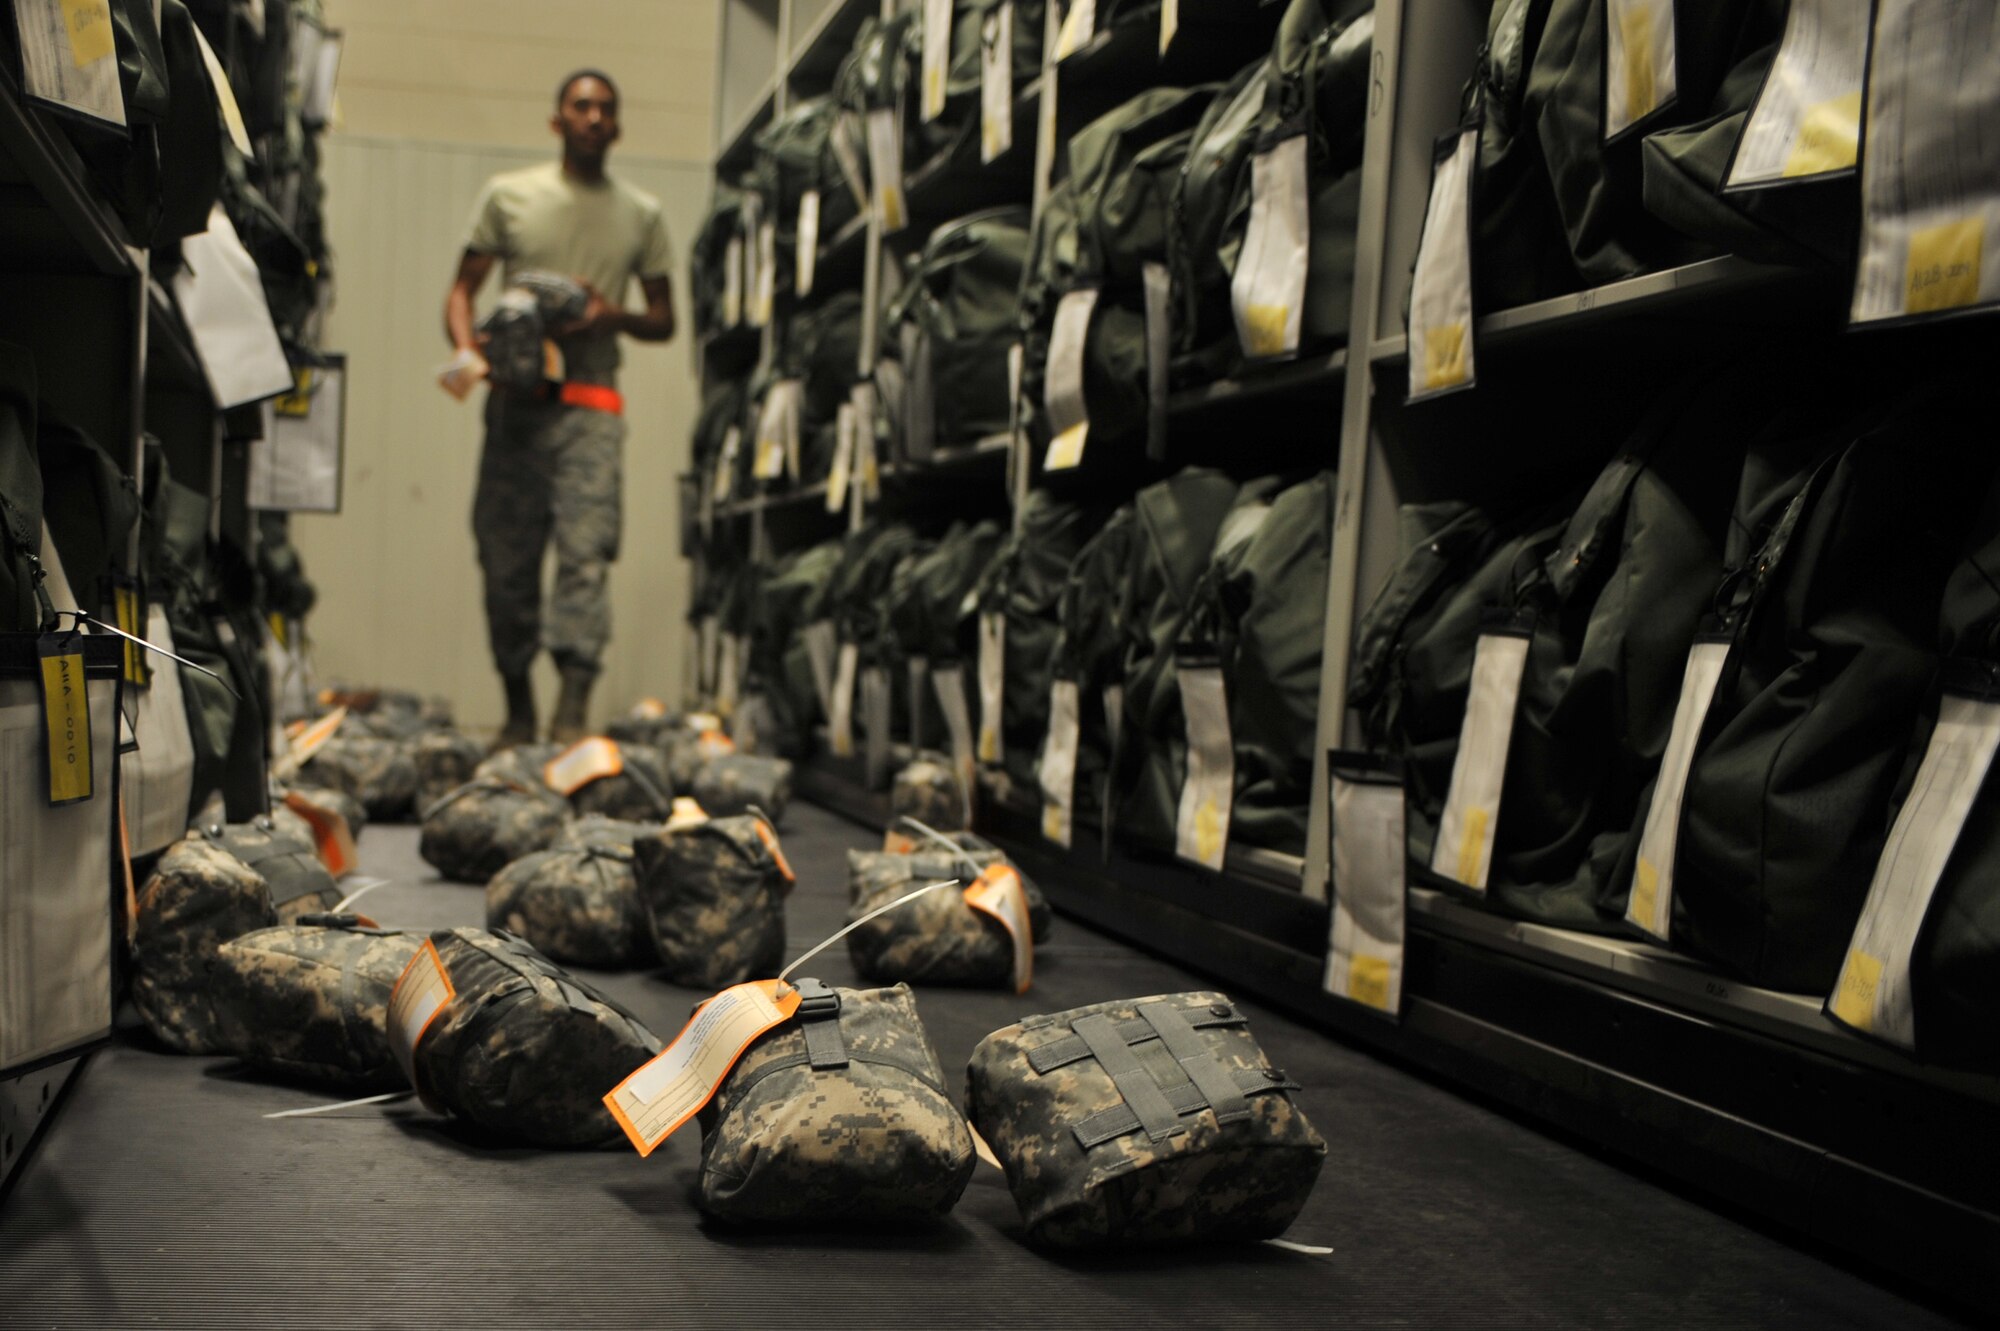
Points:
(539, 220)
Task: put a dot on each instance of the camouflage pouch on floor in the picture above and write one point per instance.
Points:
(578, 905)
(714, 895)
(486, 824)
(297, 882)
(927, 789)
(522, 1048)
(445, 760)
(736, 782)
(643, 790)
(311, 1000)
(381, 773)
(199, 897)
(934, 939)
(839, 1114)
(594, 829)
(1143, 1121)
(873, 872)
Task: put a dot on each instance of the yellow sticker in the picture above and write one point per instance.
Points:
(1636, 27)
(894, 218)
(1444, 355)
(1066, 449)
(1052, 821)
(1472, 847)
(1264, 329)
(672, 1087)
(89, 25)
(297, 403)
(125, 602)
(989, 745)
(1829, 137)
(1208, 832)
(1368, 982)
(66, 700)
(1854, 999)
(1645, 894)
(1944, 266)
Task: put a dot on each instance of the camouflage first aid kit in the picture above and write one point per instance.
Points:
(493, 1032)
(311, 999)
(577, 904)
(483, 826)
(1143, 1121)
(714, 895)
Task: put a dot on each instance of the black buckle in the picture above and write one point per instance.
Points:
(817, 1002)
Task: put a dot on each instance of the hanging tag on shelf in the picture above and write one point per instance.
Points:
(1170, 23)
(1650, 906)
(949, 684)
(1159, 352)
(729, 673)
(778, 431)
(66, 717)
(225, 97)
(1873, 993)
(1201, 828)
(885, 162)
(725, 464)
(1464, 850)
(1017, 425)
(1930, 209)
(996, 81)
(1639, 74)
(1057, 772)
(843, 458)
(1440, 340)
(67, 50)
(1267, 293)
(732, 283)
(1806, 123)
(806, 259)
(992, 677)
(840, 720)
(767, 273)
(936, 66)
(1364, 955)
(820, 648)
(1069, 418)
(846, 142)
(1078, 26)
(865, 468)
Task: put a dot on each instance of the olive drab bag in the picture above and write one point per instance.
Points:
(23, 603)
(927, 789)
(860, 592)
(310, 1000)
(445, 760)
(793, 156)
(735, 783)
(1089, 651)
(924, 609)
(381, 773)
(486, 824)
(930, 862)
(957, 312)
(88, 509)
(838, 1114)
(792, 597)
(641, 789)
(521, 1047)
(1143, 1121)
(715, 897)
(577, 903)
(708, 259)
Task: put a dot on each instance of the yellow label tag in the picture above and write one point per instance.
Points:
(1264, 329)
(66, 701)
(1645, 894)
(1854, 998)
(1066, 449)
(672, 1087)
(1944, 266)
(933, 93)
(1053, 821)
(333, 839)
(998, 892)
(583, 762)
(125, 603)
(89, 26)
(1636, 26)
(1472, 848)
(1368, 982)
(1444, 355)
(1208, 831)
(894, 216)
(279, 633)
(421, 993)
(1829, 137)
(297, 403)
(225, 96)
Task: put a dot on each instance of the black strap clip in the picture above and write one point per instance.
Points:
(819, 1018)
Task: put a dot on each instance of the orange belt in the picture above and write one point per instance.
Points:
(597, 397)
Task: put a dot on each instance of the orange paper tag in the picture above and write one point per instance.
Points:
(333, 840)
(419, 996)
(672, 1087)
(649, 709)
(686, 814)
(714, 744)
(583, 762)
(770, 840)
(898, 843)
(311, 738)
(998, 892)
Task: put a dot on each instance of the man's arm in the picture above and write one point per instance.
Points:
(472, 270)
(654, 324)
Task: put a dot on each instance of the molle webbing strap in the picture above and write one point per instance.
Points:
(1156, 1115)
(819, 1018)
(1214, 1082)
(1186, 1098)
(1071, 1048)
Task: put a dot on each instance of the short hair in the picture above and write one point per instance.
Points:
(570, 81)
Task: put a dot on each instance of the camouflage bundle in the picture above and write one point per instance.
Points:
(714, 895)
(387, 713)
(577, 904)
(594, 829)
(935, 939)
(1144, 1120)
(523, 763)
(839, 1114)
(445, 760)
(201, 895)
(381, 773)
(486, 824)
(928, 790)
(311, 1000)
(295, 826)
(643, 790)
(738, 782)
(522, 1048)
(872, 872)
(297, 882)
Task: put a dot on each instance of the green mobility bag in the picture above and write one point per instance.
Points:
(23, 604)
(924, 607)
(957, 310)
(486, 824)
(310, 1000)
(715, 897)
(708, 258)
(1089, 650)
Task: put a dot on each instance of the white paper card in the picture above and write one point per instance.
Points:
(159, 778)
(1807, 120)
(295, 467)
(729, 673)
(996, 82)
(767, 273)
(1078, 25)
(1268, 291)
(865, 468)
(840, 717)
(1638, 61)
(225, 96)
(846, 141)
(806, 259)
(1201, 830)
(725, 463)
(1057, 771)
(222, 299)
(885, 163)
(708, 634)
(1873, 992)
(1364, 955)
(1170, 23)
(69, 56)
(1440, 332)
(1930, 178)
(949, 683)
(1062, 394)
(732, 283)
(1464, 850)
(843, 458)
(936, 66)
(992, 678)
(778, 431)
(1650, 906)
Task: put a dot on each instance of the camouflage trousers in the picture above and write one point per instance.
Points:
(548, 470)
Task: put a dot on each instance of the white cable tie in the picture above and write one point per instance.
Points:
(879, 910)
(383, 1098)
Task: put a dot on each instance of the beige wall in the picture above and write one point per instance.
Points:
(399, 588)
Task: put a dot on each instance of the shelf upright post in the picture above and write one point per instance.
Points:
(141, 309)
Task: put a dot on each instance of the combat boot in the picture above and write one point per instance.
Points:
(572, 706)
(520, 727)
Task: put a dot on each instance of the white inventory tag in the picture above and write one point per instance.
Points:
(843, 458)
(885, 164)
(1930, 199)
(936, 58)
(1440, 329)
(1057, 772)
(1807, 119)
(998, 892)
(69, 56)
(1650, 907)
(992, 678)
(806, 259)
(672, 1087)
(1062, 393)
(767, 273)
(863, 468)
(996, 82)
(732, 283)
(949, 684)
(1873, 993)
(876, 700)
(422, 992)
(1170, 23)
(1464, 850)
(1017, 425)
(846, 143)
(1078, 25)
(1201, 831)
(1364, 955)
(1268, 291)
(840, 716)
(820, 647)
(1638, 61)
(917, 678)
(778, 431)
(725, 464)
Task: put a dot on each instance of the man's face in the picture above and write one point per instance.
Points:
(587, 119)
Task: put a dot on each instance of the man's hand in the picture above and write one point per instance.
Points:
(472, 270)
(599, 315)
(654, 324)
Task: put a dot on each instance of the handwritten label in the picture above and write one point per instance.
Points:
(423, 991)
(671, 1088)
(66, 705)
(997, 892)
